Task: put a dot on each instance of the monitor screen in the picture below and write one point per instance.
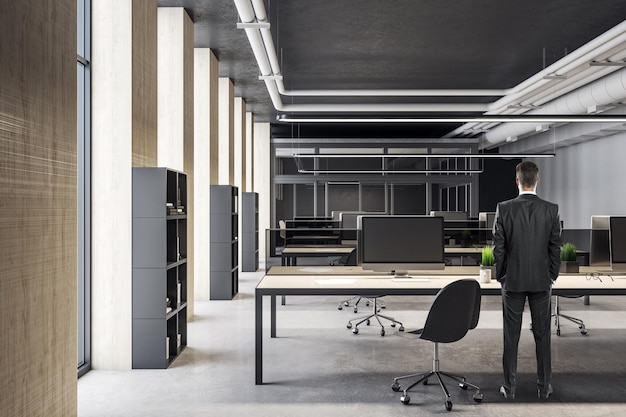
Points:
(401, 243)
(617, 242)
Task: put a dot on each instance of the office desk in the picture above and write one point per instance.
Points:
(290, 253)
(460, 252)
(376, 285)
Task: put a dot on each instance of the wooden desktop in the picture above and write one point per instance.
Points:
(348, 281)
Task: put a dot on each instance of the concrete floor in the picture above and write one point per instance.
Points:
(317, 367)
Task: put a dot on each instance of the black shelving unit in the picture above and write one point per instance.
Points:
(249, 232)
(224, 280)
(159, 283)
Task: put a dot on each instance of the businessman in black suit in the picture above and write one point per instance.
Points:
(527, 244)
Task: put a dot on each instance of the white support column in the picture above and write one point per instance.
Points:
(176, 113)
(205, 160)
(239, 133)
(262, 181)
(111, 146)
(171, 79)
(226, 133)
(248, 180)
(239, 124)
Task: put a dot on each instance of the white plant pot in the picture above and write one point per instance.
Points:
(485, 275)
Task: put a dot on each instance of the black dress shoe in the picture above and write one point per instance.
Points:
(506, 393)
(544, 394)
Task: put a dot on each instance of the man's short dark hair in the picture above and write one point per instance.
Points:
(527, 173)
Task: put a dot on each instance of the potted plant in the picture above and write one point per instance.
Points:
(568, 258)
(487, 264)
(466, 238)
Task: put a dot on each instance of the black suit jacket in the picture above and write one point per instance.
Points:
(527, 243)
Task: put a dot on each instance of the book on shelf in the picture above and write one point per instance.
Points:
(168, 310)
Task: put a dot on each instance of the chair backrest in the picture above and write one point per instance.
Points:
(351, 260)
(283, 228)
(455, 310)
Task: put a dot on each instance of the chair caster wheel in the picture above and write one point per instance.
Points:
(367, 303)
(583, 331)
(346, 304)
(339, 307)
(395, 386)
(425, 382)
(367, 322)
(448, 405)
(405, 399)
(393, 325)
(478, 397)
(355, 331)
(463, 386)
(558, 332)
(349, 325)
(401, 329)
(356, 310)
(382, 332)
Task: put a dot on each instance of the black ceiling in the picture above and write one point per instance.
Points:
(400, 44)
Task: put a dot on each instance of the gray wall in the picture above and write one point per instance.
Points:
(585, 179)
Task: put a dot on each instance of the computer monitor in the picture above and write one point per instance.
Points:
(401, 243)
(617, 242)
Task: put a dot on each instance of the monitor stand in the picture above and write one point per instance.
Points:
(399, 276)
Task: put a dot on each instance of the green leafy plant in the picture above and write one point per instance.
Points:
(487, 256)
(568, 252)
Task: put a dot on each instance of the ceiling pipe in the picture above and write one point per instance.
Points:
(605, 91)
(265, 53)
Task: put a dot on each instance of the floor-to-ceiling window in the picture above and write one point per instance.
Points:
(83, 186)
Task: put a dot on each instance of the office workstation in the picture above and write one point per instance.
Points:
(253, 112)
(410, 250)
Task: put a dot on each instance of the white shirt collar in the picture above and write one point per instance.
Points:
(528, 192)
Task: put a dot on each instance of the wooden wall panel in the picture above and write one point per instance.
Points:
(144, 73)
(188, 154)
(38, 354)
(214, 116)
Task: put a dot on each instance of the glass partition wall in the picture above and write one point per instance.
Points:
(409, 178)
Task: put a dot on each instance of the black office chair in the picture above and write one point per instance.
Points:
(373, 301)
(348, 260)
(454, 311)
(351, 260)
(558, 315)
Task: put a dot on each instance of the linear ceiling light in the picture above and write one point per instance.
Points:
(431, 155)
(253, 25)
(521, 118)
(607, 64)
(390, 171)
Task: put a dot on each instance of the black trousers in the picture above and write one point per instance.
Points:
(540, 312)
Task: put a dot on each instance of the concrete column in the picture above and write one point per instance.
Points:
(262, 182)
(226, 132)
(239, 124)
(123, 134)
(205, 160)
(176, 112)
(248, 181)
